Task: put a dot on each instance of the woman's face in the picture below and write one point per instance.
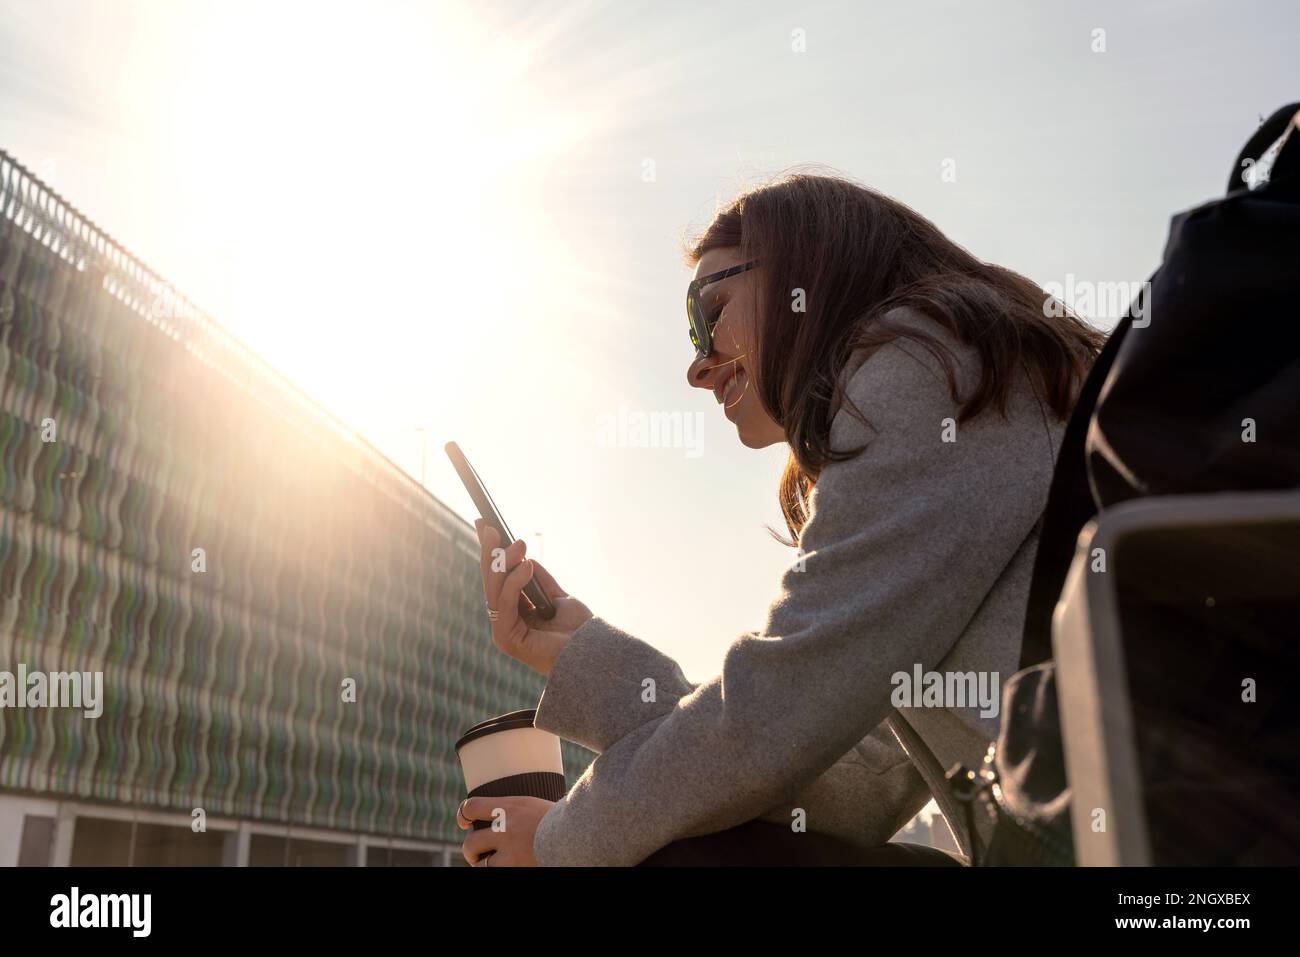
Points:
(726, 371)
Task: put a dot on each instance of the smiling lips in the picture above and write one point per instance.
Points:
(729, 387)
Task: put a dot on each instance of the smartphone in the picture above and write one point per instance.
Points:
(542, 605)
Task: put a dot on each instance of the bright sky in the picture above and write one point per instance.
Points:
(467, 218)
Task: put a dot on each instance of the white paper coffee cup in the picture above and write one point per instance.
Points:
(506, 756)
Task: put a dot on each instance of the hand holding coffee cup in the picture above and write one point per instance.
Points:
(513, 773)
(509, 847)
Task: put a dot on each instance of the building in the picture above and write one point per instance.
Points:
(289, 631)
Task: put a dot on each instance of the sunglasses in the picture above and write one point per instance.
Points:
(701, 324)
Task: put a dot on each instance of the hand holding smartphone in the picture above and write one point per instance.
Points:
(543, 607)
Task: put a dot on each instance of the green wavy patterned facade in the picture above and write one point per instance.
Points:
(324, 562)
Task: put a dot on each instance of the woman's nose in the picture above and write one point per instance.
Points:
(697, 373)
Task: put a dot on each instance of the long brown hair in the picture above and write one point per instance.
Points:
(857, 254)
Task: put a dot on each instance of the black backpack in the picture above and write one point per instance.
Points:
(1212, 341)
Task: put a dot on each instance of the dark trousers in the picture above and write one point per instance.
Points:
(763, 844)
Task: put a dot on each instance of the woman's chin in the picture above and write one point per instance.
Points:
(752, 438)
(753, 434)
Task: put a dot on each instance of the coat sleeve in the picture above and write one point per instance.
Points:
(598, 692)
(604, 684)
(903, 543)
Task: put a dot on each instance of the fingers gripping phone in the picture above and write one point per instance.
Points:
(542, 605)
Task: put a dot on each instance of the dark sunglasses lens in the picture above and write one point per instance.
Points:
(700, 331)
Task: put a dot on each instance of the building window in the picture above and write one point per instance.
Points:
(379, 856)
(160, 845)
(98, 842)
(102, 842)
(37, 839)
(268, 850)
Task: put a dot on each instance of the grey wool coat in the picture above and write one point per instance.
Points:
(917, 552)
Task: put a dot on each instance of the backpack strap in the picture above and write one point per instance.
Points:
(1070, 506)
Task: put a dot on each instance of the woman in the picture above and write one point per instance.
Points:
(923, 395)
